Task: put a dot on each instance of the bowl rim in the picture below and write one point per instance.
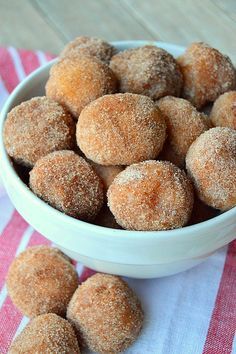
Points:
(76, 223)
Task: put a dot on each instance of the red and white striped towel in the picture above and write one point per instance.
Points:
(190, 313)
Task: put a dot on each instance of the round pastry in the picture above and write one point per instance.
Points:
(207, 74)
(68, 183)
(75, 81)
(106, 314)
(47, 333)
(93, 46)
(41, 280)
(37, 127)
(151, 195)
(184, 124)
(223, 112)
(121, 129)
(147, 70)
(211, 164)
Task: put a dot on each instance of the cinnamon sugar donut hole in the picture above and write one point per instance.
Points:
(121, 129)
(151, 195)
(211, 164)
(68, 183)
(223, 112)
(93, 46)
(147, 70)
(207, 74)
(184, 124)
(75, 81)
(37, 127)
(46, 334)
(41, 280)
(106, 314)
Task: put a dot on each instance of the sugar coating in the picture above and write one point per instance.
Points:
(75, 81)
(211, 164)
(223, 112)
(207, 73)
(41, 280)
(121, 129)
(147, 70)
(106, 314)
(84, 45)
(47, 334)
(68, 183)
(184, 124)
(37, 127)
(151, 195)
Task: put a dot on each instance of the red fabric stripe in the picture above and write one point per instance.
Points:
(10, 319)
(223, 321)
(10, 240)
(7, 70)
(29, 60)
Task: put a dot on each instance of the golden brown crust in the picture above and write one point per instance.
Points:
(147, 70)
(106, 314)
(121, 129)
(184, 124)
(41, 280)
(211, 164)
(47, 334)
(75, 81)
(68, 183)
(151, 195)
(93, 46)
(37, 127)
(223, 113)
(207, 74)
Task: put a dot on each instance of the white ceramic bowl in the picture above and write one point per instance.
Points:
(143, 254)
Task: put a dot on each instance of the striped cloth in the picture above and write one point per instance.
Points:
(190, 313)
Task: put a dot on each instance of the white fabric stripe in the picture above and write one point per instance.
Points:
(41, 57)
(3, 295)
(23, 323)
(178, 309)
(17, 63)
(22, 245)
(3, 93)
(234, 346)
(79, 268)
